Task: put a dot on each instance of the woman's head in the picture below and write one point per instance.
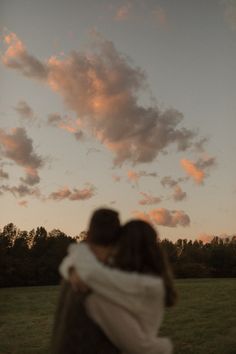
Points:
(137, 248)
(140, 251)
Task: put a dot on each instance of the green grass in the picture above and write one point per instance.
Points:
(204, 321)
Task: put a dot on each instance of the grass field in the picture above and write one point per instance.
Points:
(204, 321)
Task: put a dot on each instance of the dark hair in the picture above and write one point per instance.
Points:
(104, 227)
(140, 250)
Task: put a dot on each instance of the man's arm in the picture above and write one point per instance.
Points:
(123, 329)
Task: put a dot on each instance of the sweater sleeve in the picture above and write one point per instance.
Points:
(124, 288)
(123, 329)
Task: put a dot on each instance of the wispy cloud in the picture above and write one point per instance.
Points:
(165, 217)
(18, 147)
(149, 199)
(25, 111)
(21, 191)
(134, 176)
(178, 193)
(74, 195)
(198, 170)
(17, 57)
(65, 123)
(102, 89)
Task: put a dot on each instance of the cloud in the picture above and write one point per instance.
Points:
(168, 181)
(23, 203)
(74, 194)
(230, 14)
(193, 171)
(21, 191)
(160, 16)
(31, 177)
(18, 147)
(24, 111)
(200, 145)
(3, 174)
(165, 217)
(134, 176)
(116, 178)
(17, 57)
(149, 199)
(197, 170)
(179, 194)
(205, 238)
(54, 119)
(102, 87)
(123, 12)
(65, 123)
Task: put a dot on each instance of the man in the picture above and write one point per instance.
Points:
(74, 332)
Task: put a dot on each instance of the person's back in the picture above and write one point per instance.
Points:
(74, 332)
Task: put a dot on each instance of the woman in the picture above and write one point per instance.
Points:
(128, 304)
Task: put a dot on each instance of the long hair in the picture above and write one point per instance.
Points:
(140, 251)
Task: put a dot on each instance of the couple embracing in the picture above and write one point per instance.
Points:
(115, 290)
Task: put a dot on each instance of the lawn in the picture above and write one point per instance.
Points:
(204, 321)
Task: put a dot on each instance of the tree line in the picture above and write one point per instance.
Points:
(32, 258)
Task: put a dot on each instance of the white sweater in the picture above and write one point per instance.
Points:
(129, 307)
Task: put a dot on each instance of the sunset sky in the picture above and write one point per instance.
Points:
(124, 104)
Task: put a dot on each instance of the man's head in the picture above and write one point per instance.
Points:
(104, 227)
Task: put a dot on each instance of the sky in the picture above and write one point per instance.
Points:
(129, 105)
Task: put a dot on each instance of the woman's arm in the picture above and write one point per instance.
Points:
(123, 329)
(125, 288)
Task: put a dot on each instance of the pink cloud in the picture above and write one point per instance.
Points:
(165, 217)
(17, 57)
(74, 194)
(193, 171)
(18, 147)
(197, 170)
(149, 199)
(205, 238)
(65, 123)
(179, 194)
(134, 176)
(102, 88)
